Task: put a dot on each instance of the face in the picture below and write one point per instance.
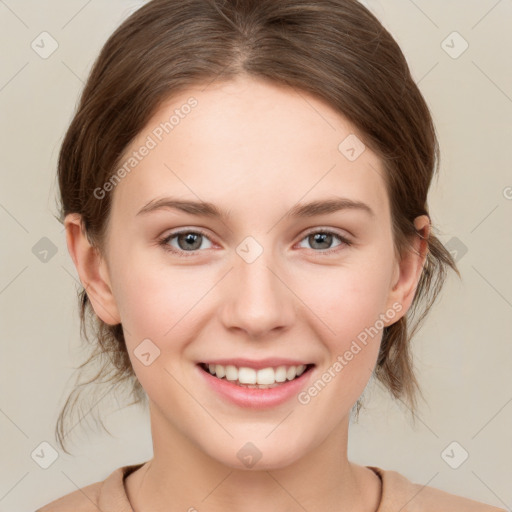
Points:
(267, 283)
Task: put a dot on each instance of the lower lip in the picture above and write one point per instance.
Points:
(254, 398)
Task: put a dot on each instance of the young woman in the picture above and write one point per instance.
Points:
(244, 190)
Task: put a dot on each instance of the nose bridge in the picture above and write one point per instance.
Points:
(259, 301)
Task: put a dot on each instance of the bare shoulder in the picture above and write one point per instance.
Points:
(81, 500)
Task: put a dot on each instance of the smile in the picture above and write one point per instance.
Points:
(263, 378)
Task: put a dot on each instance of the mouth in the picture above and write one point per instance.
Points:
(263, 378)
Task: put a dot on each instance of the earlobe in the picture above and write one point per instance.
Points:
(92, 270)
(410, 268)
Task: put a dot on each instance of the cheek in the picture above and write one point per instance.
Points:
(348, 311)
(348, 298)
(155, 304)
(144, 291)
(157, 301)
(349, 304)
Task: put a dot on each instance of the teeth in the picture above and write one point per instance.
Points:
(280, 374)
(248, 376)
(291, 372)
(231, 372)
(264, 378)
(218, 370)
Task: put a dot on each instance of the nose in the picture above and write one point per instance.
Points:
(258, 299)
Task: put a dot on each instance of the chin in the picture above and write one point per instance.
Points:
(257, 455)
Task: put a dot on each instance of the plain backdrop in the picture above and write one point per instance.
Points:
(460, 54)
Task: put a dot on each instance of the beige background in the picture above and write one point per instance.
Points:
(462, 354)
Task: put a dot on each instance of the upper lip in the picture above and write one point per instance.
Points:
(273, 362)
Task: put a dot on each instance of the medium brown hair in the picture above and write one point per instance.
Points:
(336, 50)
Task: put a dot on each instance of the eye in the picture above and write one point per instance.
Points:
(321, 238)
(190, 241)
(187, 241)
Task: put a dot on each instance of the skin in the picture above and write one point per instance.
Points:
(254, 149)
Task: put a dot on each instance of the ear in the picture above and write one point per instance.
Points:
(408, 271)
(92, 270)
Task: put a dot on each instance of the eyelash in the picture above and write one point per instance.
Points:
(164, 242)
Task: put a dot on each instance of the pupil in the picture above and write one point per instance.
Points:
(322, 236)
(190, 239)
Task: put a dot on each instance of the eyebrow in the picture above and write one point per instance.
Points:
(206, 209)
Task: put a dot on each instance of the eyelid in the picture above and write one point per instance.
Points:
(164, 240)
(324, 229)
(346, 241)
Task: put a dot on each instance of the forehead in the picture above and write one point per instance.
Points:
(249, 140)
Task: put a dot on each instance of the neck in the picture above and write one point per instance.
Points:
(182, 477)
